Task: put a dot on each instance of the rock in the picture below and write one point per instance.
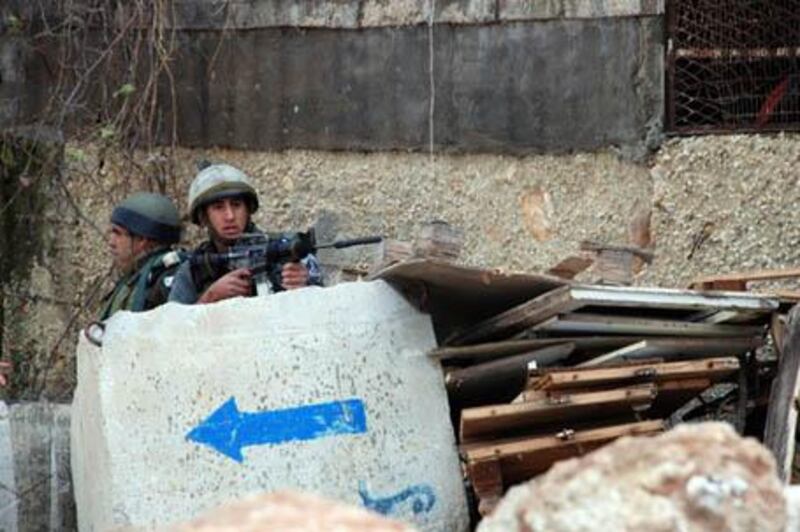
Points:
(289, 510)
(693, 478)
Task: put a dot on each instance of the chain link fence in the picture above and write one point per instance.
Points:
(733, 65)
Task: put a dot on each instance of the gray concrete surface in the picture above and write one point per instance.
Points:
(512, 88)
(147, 449)
(35, 482)
(351, 14)
(11, 79)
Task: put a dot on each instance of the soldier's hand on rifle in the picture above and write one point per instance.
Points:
(294, 275)
(232, 284)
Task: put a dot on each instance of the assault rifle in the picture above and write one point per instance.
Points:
(262, 254)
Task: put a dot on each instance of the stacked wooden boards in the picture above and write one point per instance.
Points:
(581, 365)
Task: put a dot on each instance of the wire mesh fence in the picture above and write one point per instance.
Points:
(733, 65)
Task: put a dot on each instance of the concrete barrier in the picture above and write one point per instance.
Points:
(35, 485)
(324, 390)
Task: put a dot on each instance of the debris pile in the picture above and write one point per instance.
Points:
(578, 366)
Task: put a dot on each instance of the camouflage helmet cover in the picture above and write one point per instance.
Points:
(149, 215)
(219, 181)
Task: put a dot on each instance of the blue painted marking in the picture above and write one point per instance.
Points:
(228, 430)
(421, 496)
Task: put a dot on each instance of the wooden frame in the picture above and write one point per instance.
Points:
(570, 298)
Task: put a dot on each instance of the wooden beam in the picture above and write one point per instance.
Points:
(520, 317)
(499, 380)
(494, 350)
(669, 298)
(522, 458)
(486, 420)
(712, 368)
(605, 324)
(486, 477)
(713, 282)
(678, 348)
(569, 298)
(781, 425)
(570, 267)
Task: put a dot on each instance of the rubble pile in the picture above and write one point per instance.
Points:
(579, 366)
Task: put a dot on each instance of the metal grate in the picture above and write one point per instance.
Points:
(733, 65)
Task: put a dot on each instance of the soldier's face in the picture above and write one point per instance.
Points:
(124, 247)
(227, 218)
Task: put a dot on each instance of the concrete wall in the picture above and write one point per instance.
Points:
(514, 87)
(457, 75)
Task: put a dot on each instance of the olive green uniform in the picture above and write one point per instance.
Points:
(147, 286)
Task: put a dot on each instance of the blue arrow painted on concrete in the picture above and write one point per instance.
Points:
(228, 430)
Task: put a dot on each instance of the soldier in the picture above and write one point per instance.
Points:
(144, 228)
(222, 200)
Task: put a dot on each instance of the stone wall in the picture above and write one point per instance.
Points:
(715, 204)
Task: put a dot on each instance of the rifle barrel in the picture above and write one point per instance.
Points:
(339, 244)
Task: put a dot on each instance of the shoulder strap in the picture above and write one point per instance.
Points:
(140, 292)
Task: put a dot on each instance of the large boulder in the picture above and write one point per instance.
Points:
(693, 478)
(289, 511)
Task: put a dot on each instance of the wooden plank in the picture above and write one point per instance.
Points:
(569, 298)
(499, 380)
(670, 298)
(777, 330)
(781, 425)
(494, 419)
(494, 350)
(520, 317)
(713, 281)
(679, 348)
(711, 368)
(570, 267)
(519, 447)
(605, 324)
(487, 482)
(525, 457)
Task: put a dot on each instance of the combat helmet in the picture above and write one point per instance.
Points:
(149, 215)
(216, 182)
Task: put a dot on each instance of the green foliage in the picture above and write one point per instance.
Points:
(107, 132)
(14, 23)
(7, 158)
(125, 90)
(75, 155)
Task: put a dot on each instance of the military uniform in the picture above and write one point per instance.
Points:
(195, 276)
(213, 183)
(147, 284)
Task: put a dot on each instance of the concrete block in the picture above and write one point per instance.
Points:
(248, 14)
(552, 9)
(410, 12)
(792, 494)
(35, 484)
(327, 390)
(530, 9)
(608, 8)
(8, 489)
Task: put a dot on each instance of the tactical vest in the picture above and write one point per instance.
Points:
(147, 286)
